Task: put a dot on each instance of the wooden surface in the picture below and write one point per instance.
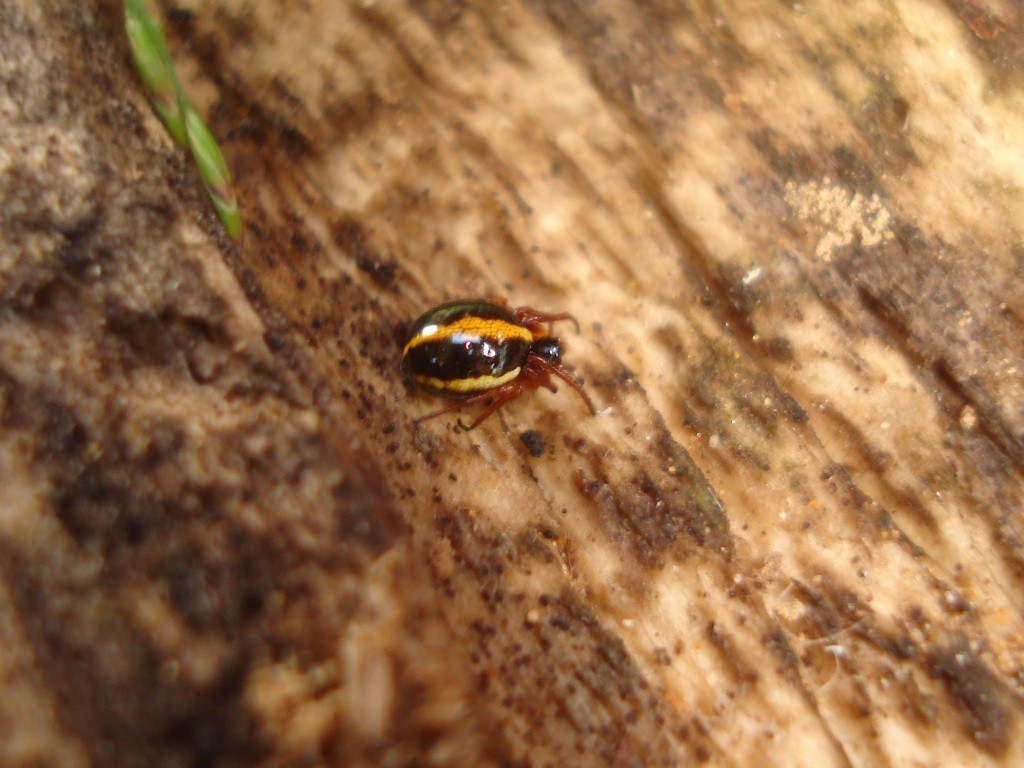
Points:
(792, 235)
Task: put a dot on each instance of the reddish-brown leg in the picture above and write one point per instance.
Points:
(534, 320)
(538, 372)
(457, 405)
(498, 398)
(503, 394)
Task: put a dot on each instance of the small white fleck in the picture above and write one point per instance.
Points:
(752, 276)
(968, 418)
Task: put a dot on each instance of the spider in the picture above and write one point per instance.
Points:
(481, 350)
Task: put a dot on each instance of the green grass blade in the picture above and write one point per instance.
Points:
(145, 39)
(153, 62)
(214, 171)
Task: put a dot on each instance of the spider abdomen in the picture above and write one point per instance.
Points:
(480, 350)
(466, 346)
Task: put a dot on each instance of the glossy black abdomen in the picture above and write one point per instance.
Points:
(466, 346)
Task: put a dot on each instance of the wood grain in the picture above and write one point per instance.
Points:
(792, 235)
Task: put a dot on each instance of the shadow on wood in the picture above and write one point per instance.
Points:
(792, 533)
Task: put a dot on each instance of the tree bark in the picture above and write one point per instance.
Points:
(792, 535)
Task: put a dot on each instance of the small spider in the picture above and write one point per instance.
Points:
(480, 350)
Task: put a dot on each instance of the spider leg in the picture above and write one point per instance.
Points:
(538, 372)
(501, 395)
(497, 397)
(459, 404)
(534, 319)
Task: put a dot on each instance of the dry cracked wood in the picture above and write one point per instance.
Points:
(792, 536)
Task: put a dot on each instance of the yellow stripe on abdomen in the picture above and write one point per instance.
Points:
(465, 386)
(485, 327)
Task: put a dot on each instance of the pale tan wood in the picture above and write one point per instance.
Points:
(792, 536)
